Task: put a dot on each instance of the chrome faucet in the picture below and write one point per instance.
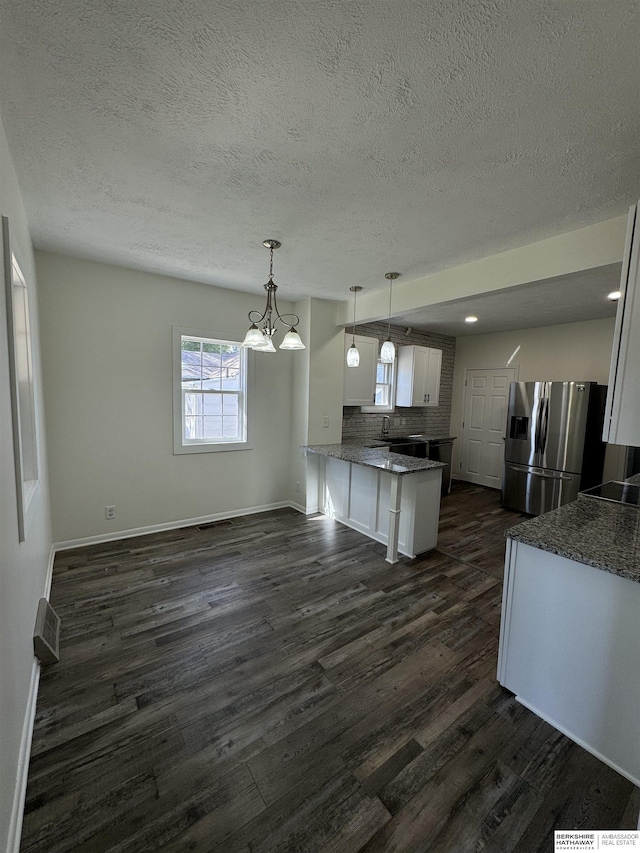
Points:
(386, 420)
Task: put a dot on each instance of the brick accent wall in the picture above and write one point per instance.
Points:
(432, 420)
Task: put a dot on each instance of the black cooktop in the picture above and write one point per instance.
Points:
(624, 493)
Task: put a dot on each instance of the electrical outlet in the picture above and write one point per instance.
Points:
(109, 512)
(325, 421)
(297, 487)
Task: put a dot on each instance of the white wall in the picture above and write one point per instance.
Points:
(23, 566)
(569, 351)
(317, 393)
(106, 341)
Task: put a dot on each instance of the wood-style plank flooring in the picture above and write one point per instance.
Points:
(270, 683)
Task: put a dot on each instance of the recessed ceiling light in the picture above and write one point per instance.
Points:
(615, 294)
(471, 319)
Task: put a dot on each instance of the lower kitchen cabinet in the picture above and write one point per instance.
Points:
(570, 651)
(361, 497)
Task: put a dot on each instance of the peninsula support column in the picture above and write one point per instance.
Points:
(394, 519)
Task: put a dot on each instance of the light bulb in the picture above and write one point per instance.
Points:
(387, 353)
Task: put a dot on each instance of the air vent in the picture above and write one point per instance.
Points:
(46, 637)
(208, 525)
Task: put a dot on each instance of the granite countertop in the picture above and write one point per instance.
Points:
(374, 457)
(384, 442)
(598, 533)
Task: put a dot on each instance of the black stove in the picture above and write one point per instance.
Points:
(622, 493)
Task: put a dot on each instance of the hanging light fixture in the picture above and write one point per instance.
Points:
(263, 326)
(353, 356)
(387, 350)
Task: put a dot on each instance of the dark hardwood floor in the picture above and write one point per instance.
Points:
(270, 683)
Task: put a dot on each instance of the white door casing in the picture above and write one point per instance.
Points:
(486, 397)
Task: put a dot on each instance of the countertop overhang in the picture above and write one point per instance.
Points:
(374, 457)
(597, 533)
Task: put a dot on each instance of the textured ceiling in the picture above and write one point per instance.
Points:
(175, 136)
(563, 299)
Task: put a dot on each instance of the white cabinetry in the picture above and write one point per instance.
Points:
(362, 498)
(570, 651)
(622, 418)
(360, 382)
(418, 376)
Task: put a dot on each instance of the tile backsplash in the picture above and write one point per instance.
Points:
(433, 420)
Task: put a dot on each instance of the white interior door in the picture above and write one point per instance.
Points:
(486, 396)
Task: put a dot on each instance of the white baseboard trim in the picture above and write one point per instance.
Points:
(22, 772)
(170, 525)
(576, 739)
(49, 576)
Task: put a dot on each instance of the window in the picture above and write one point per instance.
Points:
(23, 398)
(384, 389)
(210, 393)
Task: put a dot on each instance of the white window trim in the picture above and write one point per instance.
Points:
(372, 410)
(25, 434)
(201, 447)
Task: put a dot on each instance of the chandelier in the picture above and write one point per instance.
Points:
(263, 326)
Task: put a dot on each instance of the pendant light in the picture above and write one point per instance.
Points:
(387, 350)
(261, 339)
(353, 356)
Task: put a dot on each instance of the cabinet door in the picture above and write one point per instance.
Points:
(432, 384)
(418, 376)
(622, 419)
(360, 382)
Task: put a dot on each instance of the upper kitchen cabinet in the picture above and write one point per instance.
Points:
(418, 376)
(622, 417)
(360, 381)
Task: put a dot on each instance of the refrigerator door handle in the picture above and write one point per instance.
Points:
(544, 424)
(537, 436)
(522, 469)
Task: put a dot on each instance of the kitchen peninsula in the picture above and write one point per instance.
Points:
(570, 627)
(390, 497)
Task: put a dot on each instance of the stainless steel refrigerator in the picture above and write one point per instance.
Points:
(553, 445)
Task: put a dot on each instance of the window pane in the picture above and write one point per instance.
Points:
(382, 395)
(213, 427)
(211, 369)
(191, 364)
(380, 372)
(231, 378)
(187, 344)
(230, 405)
(192, 427)
(192, 404)
(230, 427)
(212, 404)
